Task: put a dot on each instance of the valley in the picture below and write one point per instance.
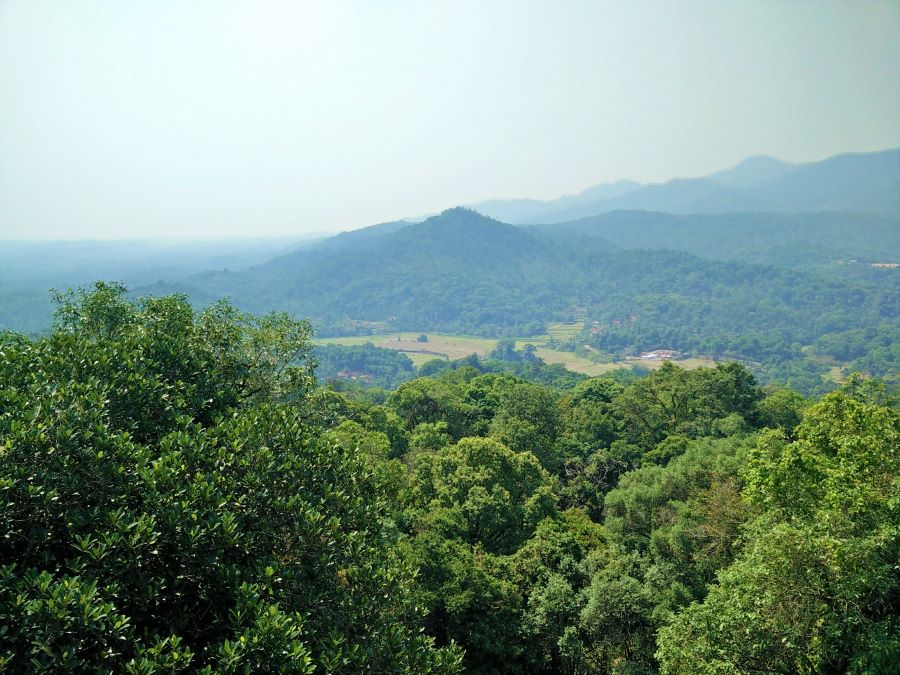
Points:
(450, 338)
(453, 347)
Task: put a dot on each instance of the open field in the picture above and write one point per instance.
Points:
(564, 331)
(450, 346)
(835, 372)
(418, 358)
(441, 345)
(579, 364)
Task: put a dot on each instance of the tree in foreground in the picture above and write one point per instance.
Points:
(168, 507)
(815, 588)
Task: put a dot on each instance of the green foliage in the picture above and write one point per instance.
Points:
(553, 570)
(527, 420)
(177, 496)
(783, 409)
(470, 601)
(481, 492)
(672, 400)
(430, 436)
(165, 509)
(589, 419)
(431, 401)
(814, 590)
(365, 364)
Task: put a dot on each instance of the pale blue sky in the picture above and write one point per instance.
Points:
(208, 119)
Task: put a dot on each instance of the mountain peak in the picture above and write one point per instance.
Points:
(753, 171)
(462, 214)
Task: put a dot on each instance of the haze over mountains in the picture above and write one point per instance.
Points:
(29, 269)
(721, 280)
(856, 182)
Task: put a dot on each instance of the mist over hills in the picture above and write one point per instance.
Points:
(855, 182)
(753, 171)
(810, 240)
(527, 210)
(29, 269)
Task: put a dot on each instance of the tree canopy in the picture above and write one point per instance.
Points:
(181, 495)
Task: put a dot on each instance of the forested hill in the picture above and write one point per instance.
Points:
(462, 272)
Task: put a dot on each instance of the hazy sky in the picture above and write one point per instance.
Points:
(203, 119)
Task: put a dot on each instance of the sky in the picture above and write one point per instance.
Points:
(128, 118)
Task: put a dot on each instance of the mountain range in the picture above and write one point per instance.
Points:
(854, 182)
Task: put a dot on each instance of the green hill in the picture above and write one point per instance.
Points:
(461, 272)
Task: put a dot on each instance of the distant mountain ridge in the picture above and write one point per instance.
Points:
(522, 210)
(852, 182)
(753, 171)
(805, 240)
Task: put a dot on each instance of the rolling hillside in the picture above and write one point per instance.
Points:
(461, 272)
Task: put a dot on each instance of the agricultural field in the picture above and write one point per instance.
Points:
(448, 346)
(440, 345)
(563, 332)
(579, 364)
(571, 361)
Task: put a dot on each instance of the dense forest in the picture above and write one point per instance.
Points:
(366, 365)
(180, 495)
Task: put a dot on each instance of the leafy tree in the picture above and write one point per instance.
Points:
(527, 419)
(431, 437)
(814, 590)
(426, 400)
(672, 400)
(553, 569)
(167, 510)
(481, 492)
(782, 408)
(366, 365)
(588, 417)
(471, 601)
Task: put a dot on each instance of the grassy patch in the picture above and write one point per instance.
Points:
(418, 358)
(578, 364)
(563, 332)
(438, 344)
